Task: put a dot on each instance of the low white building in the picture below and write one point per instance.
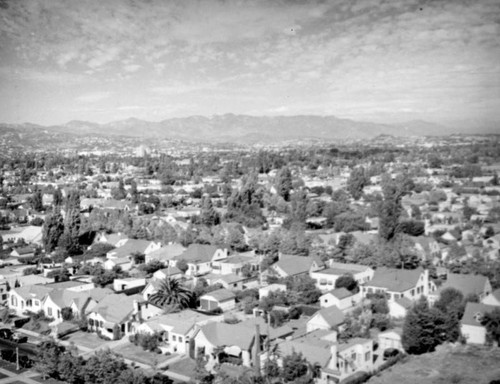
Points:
(472, 327)
(341, 298)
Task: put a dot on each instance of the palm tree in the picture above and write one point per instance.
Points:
(172, 295)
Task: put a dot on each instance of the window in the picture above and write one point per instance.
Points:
(180, 339)
(49, 311)
(353, 356)
(413, 292)
(367, 356)
(174, 338)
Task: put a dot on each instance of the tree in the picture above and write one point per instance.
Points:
(236, 239)
(182, 266)
(104, 367)
(491, 320)
(57, 198)
(72, 223)
(209, 215)
(356, 182)
(52, 230)
(294, 366)
(348, 282)
(47, 358)
(70, 368)
(172, 295)
(36, 201)
(284, 183)
(390, 209)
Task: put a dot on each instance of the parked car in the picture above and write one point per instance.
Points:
(391, 352)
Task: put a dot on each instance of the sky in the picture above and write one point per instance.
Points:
(370, 60)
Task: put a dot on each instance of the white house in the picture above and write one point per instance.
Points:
(326, 278)
(471, 324)
(399, 307)
(199, 258)
(264, 291)
(221, 298)
(390, 339)
(326, 319)
(493, 298)
(341, 298)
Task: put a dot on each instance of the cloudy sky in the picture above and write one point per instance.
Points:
(375, 60)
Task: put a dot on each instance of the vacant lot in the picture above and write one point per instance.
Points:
(449, 364)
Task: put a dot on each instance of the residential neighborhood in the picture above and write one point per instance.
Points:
(199, 271)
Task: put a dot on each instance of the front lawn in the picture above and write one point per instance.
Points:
(84, 339)
(184, 367)
(135, 353)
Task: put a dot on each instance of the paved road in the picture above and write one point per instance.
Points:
(24, 348)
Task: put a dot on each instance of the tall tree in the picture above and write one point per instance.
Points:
(72, 223)
(52, 230)
(209, 215)
(356, 182)
(284, 183)
(172, 295)
(391, 209)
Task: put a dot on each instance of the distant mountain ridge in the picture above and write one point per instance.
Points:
(245, 129)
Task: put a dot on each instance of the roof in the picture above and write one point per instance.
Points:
(294, 265)
(167, 252)
(332, 315)
(313, 347)
(340, 293)
(222, 334)
(115, 308)
(130, 247)
(474, 312)
(198, 253)
(64, 298)
(395, 280)
(230, 278)
(404, 302)
(180, 322)
(349, 266)
(32, 291)
(220, 295)
(467, 284)
(274, 333)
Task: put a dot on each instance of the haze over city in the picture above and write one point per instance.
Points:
(382, 61)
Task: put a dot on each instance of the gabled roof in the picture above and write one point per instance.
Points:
(395, 280)
(332, 315)
(220, 295)
(198, 253)
(474, 312)
(222, 334)
(274, 333)
(130, 247)
(404, 302)
(64, 298)
(467, 284)
(294, 265)
(340, 293)
(32, 291)
(117, 307)
(167, 252)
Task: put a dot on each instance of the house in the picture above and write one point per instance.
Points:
(199, 258)
(326, 278)
(234, 264)
(124, 263)
(339, 297)
(390, 339)
(399, 307)
(493, 298)
(115, 239)
(58, 299)
(172, 272)
(175, 329)
(115, 315)
(326, 318)
(289, 265)
(235, 340)
(28, 298)
(165, 254)
(467, 284)
(336, 361)
(131, 247)
(221, 298)
(23, 252)
(129, 283)
(231, 281)
(397, 283)
(472, 327)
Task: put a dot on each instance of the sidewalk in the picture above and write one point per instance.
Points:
(24, 377)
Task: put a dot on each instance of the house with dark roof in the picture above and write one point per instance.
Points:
(471, 324)
(336, 360)
(199, 258)
(222, 299)
(467, 284)
(291, 265)
(340, 297)
(326, 318)
(398, 283)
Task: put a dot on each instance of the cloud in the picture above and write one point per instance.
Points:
(93, 97)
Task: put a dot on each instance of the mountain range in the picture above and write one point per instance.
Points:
(246, 129)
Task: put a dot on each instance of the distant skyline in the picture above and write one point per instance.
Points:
(372, 60)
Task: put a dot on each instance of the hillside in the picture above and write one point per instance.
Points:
(449, 364)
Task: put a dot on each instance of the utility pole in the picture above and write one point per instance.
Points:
(17, 357)
(257, 351)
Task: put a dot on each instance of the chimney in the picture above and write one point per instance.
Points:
(256, 356)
